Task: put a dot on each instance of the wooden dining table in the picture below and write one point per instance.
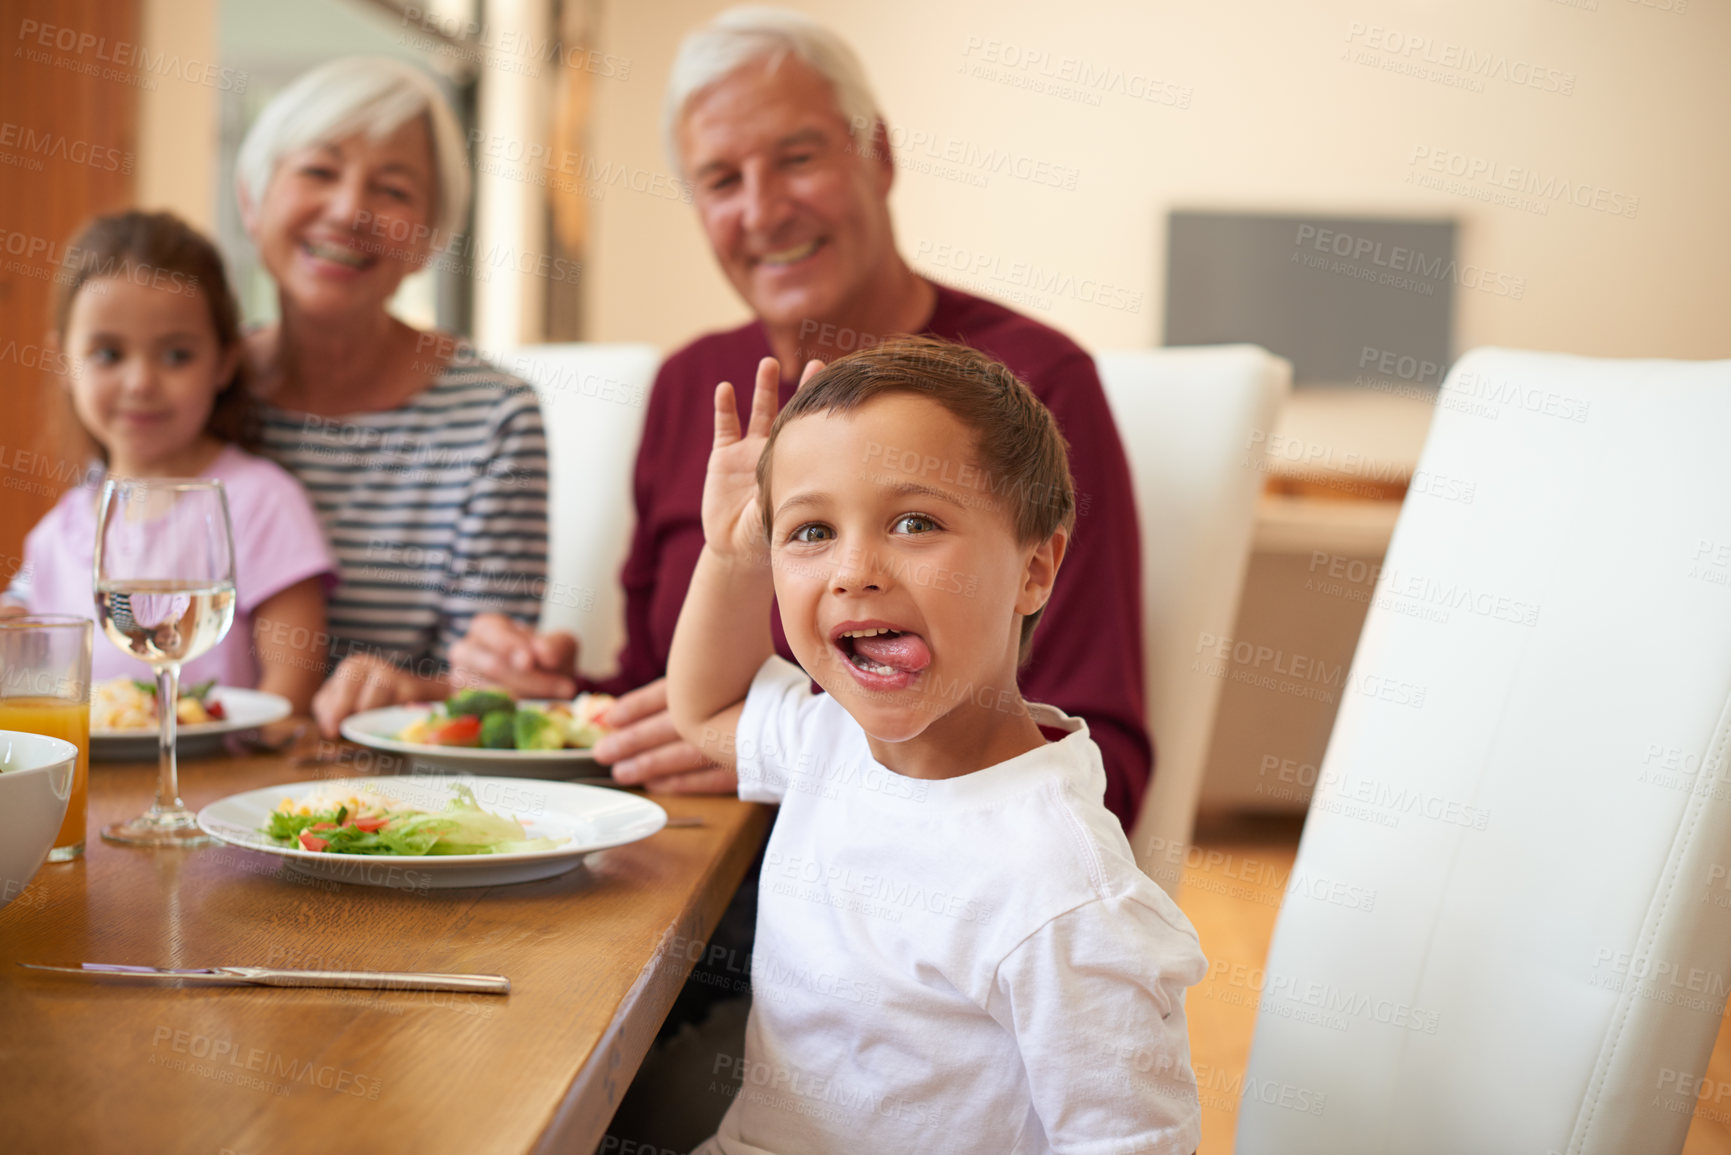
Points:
(595, 958)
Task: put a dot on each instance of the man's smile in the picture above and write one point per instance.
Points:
(781, 258)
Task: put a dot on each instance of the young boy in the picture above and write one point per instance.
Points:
(955, 949)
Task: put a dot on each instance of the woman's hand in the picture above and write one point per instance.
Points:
(500, 651)
(645, 750)
(366, 682)
(732, 517)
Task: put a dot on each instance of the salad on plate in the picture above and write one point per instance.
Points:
(368, 822)
(493, 720)
(129, 704)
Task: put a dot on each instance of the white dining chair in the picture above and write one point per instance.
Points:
(1193, 421)
(1508, 928)
(592, 399)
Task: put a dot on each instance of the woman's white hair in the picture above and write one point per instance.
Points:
(375, 95)
(751, 33)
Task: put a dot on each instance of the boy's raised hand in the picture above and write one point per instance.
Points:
(723, 637)
(732, 518)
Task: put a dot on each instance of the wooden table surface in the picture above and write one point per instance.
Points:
(595, 958)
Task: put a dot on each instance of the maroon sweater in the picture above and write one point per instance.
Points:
(1087, 652)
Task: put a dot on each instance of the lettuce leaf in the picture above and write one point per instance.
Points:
(287, 827)
(462, 827)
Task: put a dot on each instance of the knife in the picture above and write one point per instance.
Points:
(266, 976)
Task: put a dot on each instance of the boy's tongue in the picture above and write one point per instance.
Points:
(902, 651)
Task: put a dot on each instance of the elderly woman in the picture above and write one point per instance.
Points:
(427, 466)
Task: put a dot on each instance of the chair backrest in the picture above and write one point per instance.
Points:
(1507, 926)
(1189, 420)
(593, 398)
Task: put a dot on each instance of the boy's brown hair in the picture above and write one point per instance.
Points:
(1022, 457)
(162, 250)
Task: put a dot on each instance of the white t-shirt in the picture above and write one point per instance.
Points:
(967, 965)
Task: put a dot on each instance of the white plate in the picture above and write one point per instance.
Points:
(378, 729)
(246, 709)
(591, 817)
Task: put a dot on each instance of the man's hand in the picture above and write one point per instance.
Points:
(361, 682)
(499, 651)
(645, 750)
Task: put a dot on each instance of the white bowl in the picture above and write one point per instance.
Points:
(35, 785)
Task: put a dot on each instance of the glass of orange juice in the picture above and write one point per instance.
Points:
(45, 689)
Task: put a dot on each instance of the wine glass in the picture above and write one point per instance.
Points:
(165, 595)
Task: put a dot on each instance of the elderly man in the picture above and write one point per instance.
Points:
(770, 118)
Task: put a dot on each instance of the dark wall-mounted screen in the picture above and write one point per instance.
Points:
(1330, 294)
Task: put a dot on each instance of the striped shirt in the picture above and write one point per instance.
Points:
(436, 510)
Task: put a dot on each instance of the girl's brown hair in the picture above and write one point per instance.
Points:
(1023, 463)
(163, 251)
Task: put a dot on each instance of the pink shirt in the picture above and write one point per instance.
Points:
(277, 542)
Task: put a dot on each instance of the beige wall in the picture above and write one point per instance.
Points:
(1280, 116)
(177, 122)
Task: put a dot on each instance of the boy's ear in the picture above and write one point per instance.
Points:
(1042, 572)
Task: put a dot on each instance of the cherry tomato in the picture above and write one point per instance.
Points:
(371, 824)
(463, 731)
(311, 841)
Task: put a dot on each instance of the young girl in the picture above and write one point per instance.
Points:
(149, 342)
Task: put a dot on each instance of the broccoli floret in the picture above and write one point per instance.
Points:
(498, 731)
(479, 703)
(536, 731)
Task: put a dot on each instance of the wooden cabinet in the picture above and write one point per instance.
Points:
(69, 88)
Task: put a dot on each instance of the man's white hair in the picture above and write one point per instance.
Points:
(374, 95)
(752, 33)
